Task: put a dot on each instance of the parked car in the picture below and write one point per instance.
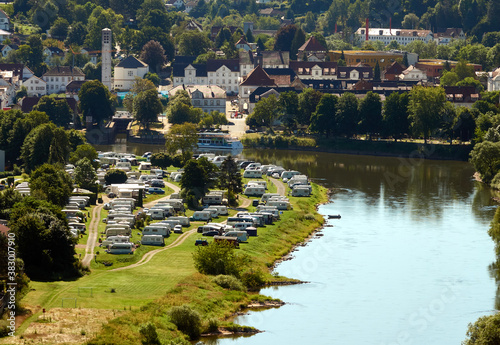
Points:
(250, 131)
(107, 206)
(155, 190)
(201, 242)
(147, 154)
(156, 183)
(111, 195)
(178, 229)
(105, 166)
(211, 233)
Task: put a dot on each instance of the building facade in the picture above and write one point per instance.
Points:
(35, 86)
(126, 72)
(58, 77)
(206, 97)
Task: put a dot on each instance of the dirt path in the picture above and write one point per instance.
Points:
(93, 234)
(149, 255)
(279, 185)
(172, 186)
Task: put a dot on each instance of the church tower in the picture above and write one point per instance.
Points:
(106, 58)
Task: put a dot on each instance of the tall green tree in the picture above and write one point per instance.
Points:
(298, 40)
(154, 55)
(85, 175)
(147, 107)
(323, 119)
(95, 101)
(182, 137)
(347, 116)
(425, 109)
(395, 115)
(284, 37)
(485, 157)
(265, 112)
(308, 101)
(194, 182)
(51, 183)
(86, 151)
(289, 106)
(230, 178)
(59, 147)
(376, 72)
(36, 147)
(370, 111)
(58, 110)
(193, 43)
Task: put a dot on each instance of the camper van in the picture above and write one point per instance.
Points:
(115, 239)
(241, 235)
(265, 197)
(257, 173)
(212, 199)
(159, 173)
(184, 221)
(234, 220)
(270, 209)
(125, 166)
(117, 232)
(157, 213)
(203, 216)
(227, 239)
(282, 205)
(167, 209)
(177, 204)
(121, 248)
(254, 190)
(301, 190)
(80, 197)
(253, 166)
(81, 203)
(170, 222)
(144, 166)
(261, 183)
(218, 160)
(157, 229)
(152, 240)
(289, 174)
(221, 209)
(214, 213)
(79, 226)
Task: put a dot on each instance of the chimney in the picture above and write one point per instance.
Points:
(367, 22)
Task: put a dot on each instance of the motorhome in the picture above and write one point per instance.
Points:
(152, 240)
(118, 231)
(167, 209)
(218, 160)
(156, 213)
(203, 216)
(79, 226)
(184, 221)
(171, 222)
(257, 173)
(121, 248)
(157, 229)
(275, 170)
(235, 220)
(212, 199)
(144, 166)
(81, 203)
(125, 166)
(221, 209)
(241, 235)
(282, 205)
(115, 239)
(251, 231)
(261, 183)
(301, 191)
(254, 190)
(177, 204)
(159, 173)
(267, 196)
(253, 166)
(213, 212)
(146, 178)
(270, 209)
(133, 174)
(288, 174)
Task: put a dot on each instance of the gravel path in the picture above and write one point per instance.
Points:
(93, 235)
(280, 185)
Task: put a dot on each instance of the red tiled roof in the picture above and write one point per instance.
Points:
(258, 77)
(4, 229)
(394, 68)
(312, 45)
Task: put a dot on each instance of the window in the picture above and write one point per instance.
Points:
(325, 71)
(301, 70)
(229, 82)
(130, 73)
(57, 78)
(317, 73)
(217, 102)
(190, 72)
(365, 74)
(223, 81)
(211, 102)
(51, 78)
(206, 102)
(32, 88)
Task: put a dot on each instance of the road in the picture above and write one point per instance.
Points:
(279, 185)
(237, 127)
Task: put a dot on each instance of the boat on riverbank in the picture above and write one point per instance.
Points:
(218, 141)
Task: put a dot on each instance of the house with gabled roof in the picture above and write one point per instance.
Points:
(243, 44)
(35, 86)
(52, 52)
(126, 72)
(322, 70)
(206, 97)
(412, 73)
(58, 77)
(4, 21)
(7, 48)
(256, 78)
(392, 71)
(312, 49)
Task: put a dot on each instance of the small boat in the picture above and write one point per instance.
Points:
(334, 216)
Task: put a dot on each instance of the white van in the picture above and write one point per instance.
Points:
(253, 166)
(261, 183)
(240, 233)
(231, 221)
(170, 222)
(81, 203)
(120, 248)
(184, 221)
(254, 190)
(221, 209)
(153, 240)
(301, 190)
(212, 199)
(125, 166)
(177, 204)
(203, 216)
(257, 173)
(167, 209)
(213, 211)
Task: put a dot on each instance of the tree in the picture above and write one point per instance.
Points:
(410, 21)
(115, 176)
(98, 20)
(224, 35)
(76, 34)
(95, 101)
(161, 160)
(289, 106)
(50, 183)
(260, 44)
(485, 157)
(85, 174)
(308, 101)
(147, 107)
(405, 60)
(370, 110)
(84, 151)
(148, 333)
(59, 29)
(464, 70)
(182, 137)
(448, 78)
(59, 147)
(193, 43)
(265, 112)
(218, 258)
(187, 320)
(376, 72)
(194, 182)
(395, 115)
(323, 119)
(179, 109)
(485, 331)
(464, 124)
(284, 37)
(347, 116)
(154, 55)
(58, 110)
(425, 109)
(36, 147)
(249, 36)
(230, 178)
(469, 81)
(153, 77)
(298, 40)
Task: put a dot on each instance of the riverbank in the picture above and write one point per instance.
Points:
(386, 148)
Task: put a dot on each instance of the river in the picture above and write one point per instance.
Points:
(408, 262)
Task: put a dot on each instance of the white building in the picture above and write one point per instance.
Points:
(413, 74)
(494, 80)
(35, 86)
(266, 59)
(449, 35)
(58, 77)
(106, 40)
(401, 36)
(4, 21)
(126, 71)
(6, 49)
(206, 97)
(52, 52)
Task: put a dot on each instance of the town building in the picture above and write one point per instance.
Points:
(392, 71)
(266, 59)
(401, 36)
(493, 83)
(4, 21)
(206, 97)
(312, 50)
(58, 77)
(433, 68)
(370, 57)
(7, 48)
(126, 72)
(106, 41)
(35, 86)
(51, 53)
(243, 44)
(315, 70)
(450, 34)
(412, 73)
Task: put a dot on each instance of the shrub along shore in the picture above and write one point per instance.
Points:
(431, 150)
(205, 303)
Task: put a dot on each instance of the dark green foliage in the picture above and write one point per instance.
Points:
(187, 320)
(147, 107)
(395, 115)
(229, 282)
(218, 258)
(323, 119)
(84, 151)
(230, 178)
(114, 176)
(161, 160)
(284, 38)
(35, 150)
(486, 159)
(308, 101)
(370, 112)
(154, 55)
(85, 175)
(253, 279)
(52, 184)
(95, 101)
(148, 333)
(347, 116)
(196, 179)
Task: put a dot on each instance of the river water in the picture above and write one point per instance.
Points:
(408, 262)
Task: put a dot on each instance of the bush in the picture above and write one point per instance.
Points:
(3, 328)
(253, 279)
(229, 282)
(115, 176)
(217, 258)
(213, 325)
(148, 334)
(187, 320)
